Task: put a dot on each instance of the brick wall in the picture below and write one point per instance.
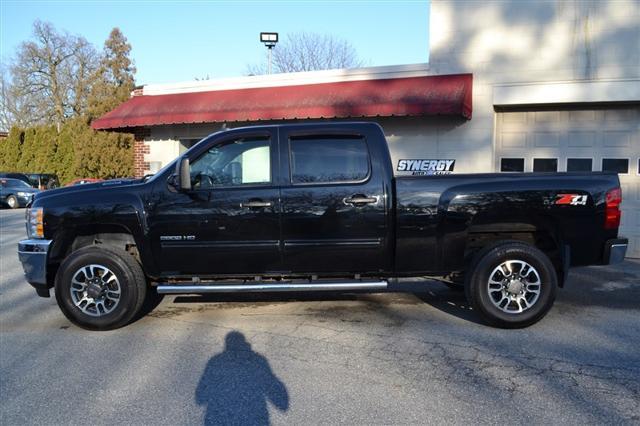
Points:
(140, 166)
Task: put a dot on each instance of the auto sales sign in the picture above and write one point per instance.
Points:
(426, 167)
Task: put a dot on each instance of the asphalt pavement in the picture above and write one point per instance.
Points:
(393, 358)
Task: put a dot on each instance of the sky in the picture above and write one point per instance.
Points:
(182, 40)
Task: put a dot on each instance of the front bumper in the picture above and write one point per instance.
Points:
(33, 255)
(615, 250)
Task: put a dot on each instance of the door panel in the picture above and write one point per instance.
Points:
(333, 226)
(230, 222)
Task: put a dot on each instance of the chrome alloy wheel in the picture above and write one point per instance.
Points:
(514, 286)
(95, 290)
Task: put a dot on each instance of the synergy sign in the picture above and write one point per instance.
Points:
(426, 167)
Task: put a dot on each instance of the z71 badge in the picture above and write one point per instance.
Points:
(571, 200)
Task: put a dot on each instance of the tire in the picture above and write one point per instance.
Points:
(95, 263)
(12, 202)
(498, 292)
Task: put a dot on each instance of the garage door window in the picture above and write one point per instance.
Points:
(512, 165)
(579, 164)
(545, 164)
(618, 165)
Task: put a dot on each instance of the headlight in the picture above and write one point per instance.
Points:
(23, 194)
(35, 222)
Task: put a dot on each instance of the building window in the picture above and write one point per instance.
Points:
(512, 165)
(329, 159)
(617, 165)
(545, 164)
(579, 164)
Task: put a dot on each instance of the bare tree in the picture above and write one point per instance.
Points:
(51, 76)
(15, 109)
(309, 52)
(7, 107)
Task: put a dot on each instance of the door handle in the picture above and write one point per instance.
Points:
(255, 204)
(360, 199)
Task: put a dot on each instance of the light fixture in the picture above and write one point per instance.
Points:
(269, 40)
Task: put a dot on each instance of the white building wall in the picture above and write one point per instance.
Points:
(528, 42)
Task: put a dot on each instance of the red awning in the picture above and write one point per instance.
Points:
(411, 96)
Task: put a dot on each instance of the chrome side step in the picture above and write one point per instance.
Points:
(268, 287)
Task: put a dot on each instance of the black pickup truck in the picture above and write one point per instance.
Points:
(299, 207)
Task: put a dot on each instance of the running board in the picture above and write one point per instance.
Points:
(275, 287)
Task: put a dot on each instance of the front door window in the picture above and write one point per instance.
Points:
(237, 162)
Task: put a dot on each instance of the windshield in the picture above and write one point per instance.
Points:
(15, 183)
(172, 164)
(149, 178)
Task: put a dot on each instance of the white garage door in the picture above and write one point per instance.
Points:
(577, 140)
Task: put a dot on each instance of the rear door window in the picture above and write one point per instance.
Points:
(328, 159)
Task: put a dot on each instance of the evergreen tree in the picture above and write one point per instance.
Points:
(114, 77)
(27, 151)
(44, 149)
(10, 150)
(63, 161)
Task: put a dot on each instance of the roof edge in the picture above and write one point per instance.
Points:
(289, 79)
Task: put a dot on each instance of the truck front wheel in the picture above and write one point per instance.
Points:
(100, 288)
(511, 284)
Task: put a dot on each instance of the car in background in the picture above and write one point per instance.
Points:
(15, 175)
(83, 181)
(40, 181)
(16, 193)
(43, 181)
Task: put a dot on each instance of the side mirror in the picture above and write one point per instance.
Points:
(183, 173)
(172, 181)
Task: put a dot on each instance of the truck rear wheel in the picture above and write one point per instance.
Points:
(100, 288)
(511, 284)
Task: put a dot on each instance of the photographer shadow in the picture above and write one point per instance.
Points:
(237, 384)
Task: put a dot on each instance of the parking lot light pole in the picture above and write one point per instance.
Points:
(269, 40)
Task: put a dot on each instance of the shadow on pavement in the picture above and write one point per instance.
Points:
(237, 384)
(450, 302)
(614, 287)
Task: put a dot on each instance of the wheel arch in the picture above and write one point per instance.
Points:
(110, 235)
(538, 231)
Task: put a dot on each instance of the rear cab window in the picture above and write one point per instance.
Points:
(329, 159)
